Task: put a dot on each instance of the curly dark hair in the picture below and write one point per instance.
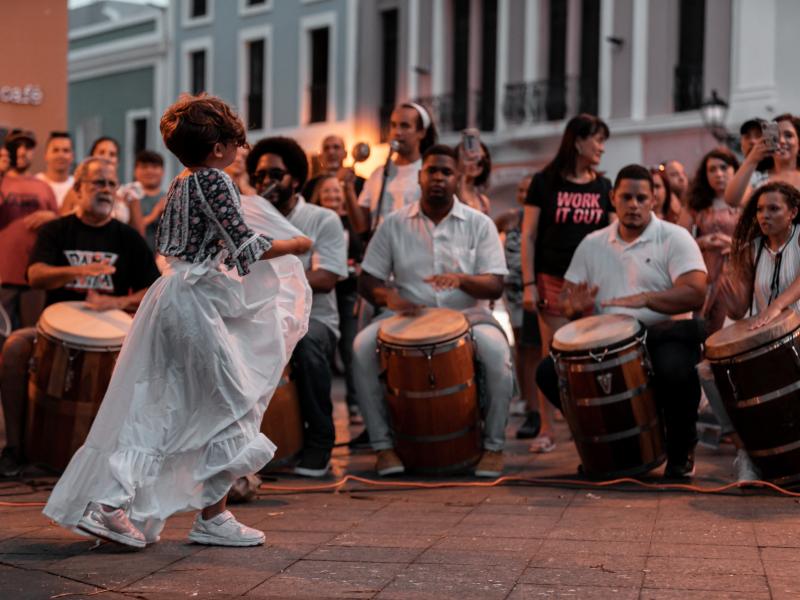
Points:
(747, 229)
(100, 140)
(193, 124)
(290, 152)
(701, 194)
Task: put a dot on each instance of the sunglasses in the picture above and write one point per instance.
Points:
(274, 174)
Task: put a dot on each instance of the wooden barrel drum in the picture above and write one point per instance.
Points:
(603, 371)
(428, 364)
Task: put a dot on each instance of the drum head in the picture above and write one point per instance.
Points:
(431, 326)
(738, 338)
(598, 331)
(74, 323)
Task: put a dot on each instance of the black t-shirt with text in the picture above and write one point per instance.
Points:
(569, 212)
(69, 241)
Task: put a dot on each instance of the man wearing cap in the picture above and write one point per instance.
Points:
(26, 204)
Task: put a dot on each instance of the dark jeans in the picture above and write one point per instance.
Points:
(311, 367)
(348, 328)
(674, 348)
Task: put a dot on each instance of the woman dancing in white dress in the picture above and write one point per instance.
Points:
(181, 419)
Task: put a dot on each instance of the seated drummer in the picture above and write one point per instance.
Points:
(83, 256)
(437, 252)
(652, 270)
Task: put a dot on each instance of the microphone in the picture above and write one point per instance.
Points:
(394, 145)
(269, 189)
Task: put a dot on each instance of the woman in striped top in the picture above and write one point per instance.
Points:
(765, 277)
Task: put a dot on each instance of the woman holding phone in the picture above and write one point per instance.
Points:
(777, 153)
(475, 165)
(566, 201)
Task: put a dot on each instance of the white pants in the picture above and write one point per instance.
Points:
(493, 353)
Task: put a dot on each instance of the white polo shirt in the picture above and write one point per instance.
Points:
(328, 252)
(402, 189)
(411, 247)
(650, 263)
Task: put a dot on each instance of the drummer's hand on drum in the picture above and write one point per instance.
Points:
(444, 281)
(99, 302)
(579, 298)
(96, 268)
(632, 301)
(765, 316)
(395, 302)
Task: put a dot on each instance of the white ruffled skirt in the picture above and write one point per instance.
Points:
(181, 419)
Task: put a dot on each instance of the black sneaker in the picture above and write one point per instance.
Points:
(360, 442)
(680, 468)
(531, 427)
(315, 462)
(10, 464)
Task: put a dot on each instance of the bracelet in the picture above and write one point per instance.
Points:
(526, 284)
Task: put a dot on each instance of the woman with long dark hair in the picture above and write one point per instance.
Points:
(474, 178)
(714, 221)
(781, 164)
(566, 201)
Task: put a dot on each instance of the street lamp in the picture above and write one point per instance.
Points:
(714, 112)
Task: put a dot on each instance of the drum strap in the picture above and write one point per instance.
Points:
(481, 316)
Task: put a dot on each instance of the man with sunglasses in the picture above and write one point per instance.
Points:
(278, 168)
(86, 256)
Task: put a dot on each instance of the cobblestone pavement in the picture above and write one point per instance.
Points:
(513, 541)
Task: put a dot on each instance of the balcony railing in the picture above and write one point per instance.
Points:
(688, 87)
(549, 100)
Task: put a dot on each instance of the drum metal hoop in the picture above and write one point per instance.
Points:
(639, 339)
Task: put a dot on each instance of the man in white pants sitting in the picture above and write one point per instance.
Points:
(437, 252)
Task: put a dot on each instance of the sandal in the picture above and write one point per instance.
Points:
(542, 445)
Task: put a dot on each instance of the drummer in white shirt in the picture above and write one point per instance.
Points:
(652, 270)
(440, 253)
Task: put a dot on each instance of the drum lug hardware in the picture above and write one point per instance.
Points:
(70, 376)
(796, 354)
(733, 386)
(429, 355)
(599, 357)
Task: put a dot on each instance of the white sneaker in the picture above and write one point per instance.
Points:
(745, 469)
(224, 530)
(111, 525)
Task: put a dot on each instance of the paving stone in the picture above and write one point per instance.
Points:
(700, 566)
(784, 587)
(329, 579)
(595, 575)
(365, 554)
(704, 551)
(593, 547)
(471, 557)
(701, 595)
(383, 540)
(526, 591)
(706, 581)
(780, 554)
(19, 584)
(198, 584)
(452, 581)
(524, 546)
(631, 532)
(774, 534)
(610, 562)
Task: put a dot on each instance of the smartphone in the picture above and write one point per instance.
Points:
(771, 135)
(471, 142)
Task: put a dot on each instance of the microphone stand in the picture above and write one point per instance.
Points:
(374, 225)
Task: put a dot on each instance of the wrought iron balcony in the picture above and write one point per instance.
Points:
(549, 100)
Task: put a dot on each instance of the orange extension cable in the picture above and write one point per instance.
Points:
(338, 485)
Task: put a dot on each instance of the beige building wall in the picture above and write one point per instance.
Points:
(33, 68)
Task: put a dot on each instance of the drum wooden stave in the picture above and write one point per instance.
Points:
(604, 372)
(73, 359)
(428, 364)
(283, 421)
(758, 376)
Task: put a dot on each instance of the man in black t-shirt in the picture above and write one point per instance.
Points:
(86, 256)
